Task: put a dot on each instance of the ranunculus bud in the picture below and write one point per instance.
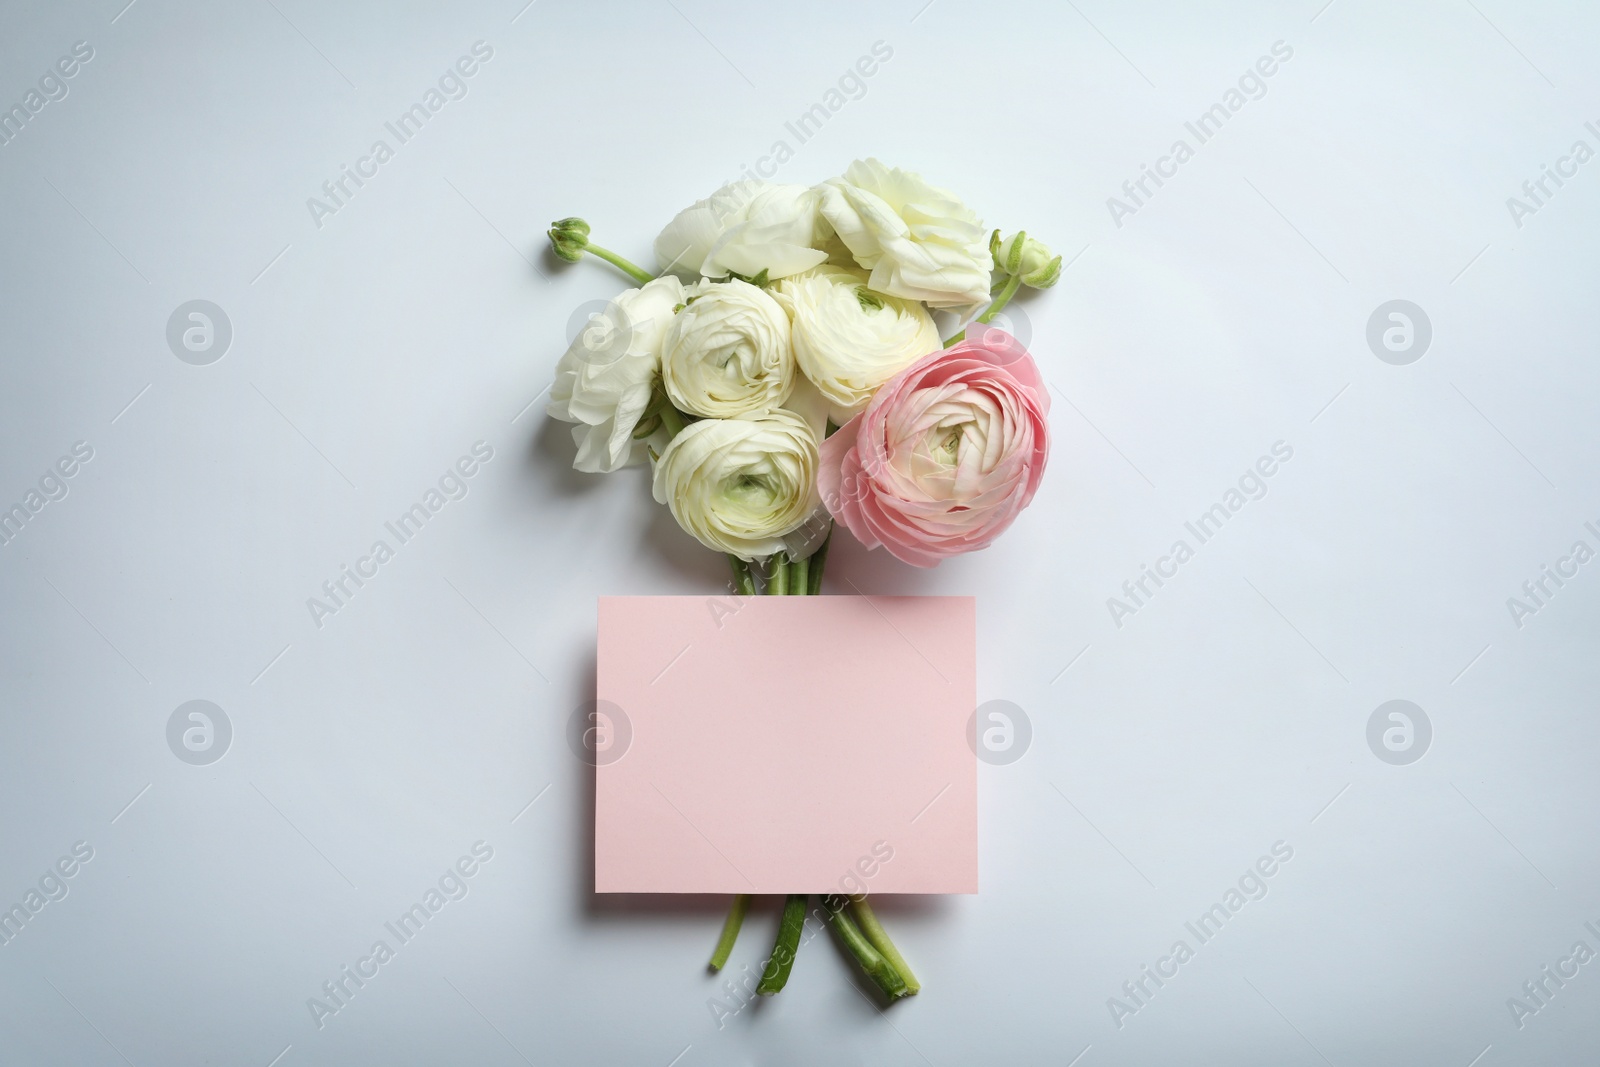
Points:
(569, 238)
(1030, 260)
(1045, 276)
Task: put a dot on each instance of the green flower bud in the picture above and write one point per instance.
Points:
(1026, 258)
(569, 238)
(1019, 254)
(1045, 276)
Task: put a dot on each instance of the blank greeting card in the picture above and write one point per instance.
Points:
(785, 745)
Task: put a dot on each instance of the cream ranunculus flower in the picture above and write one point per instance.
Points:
(849, 340)
(603, 382)
(727, 352)
(920, 242)
(741, 485)
(744, 228)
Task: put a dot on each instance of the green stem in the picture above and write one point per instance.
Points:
(784, 948)
(671, 419)
(778, 579)
(880, 970)
(799, 580)
(730, 930)
(744, 583)
(1002, 300)
(632, 270)
(818, 559)
(875, 933)
(1006, 293)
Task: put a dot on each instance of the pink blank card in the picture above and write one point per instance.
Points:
(786, 745)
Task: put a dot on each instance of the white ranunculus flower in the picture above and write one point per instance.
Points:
(920, 242)
(744, 228)
(603, 382)
(727, 353)
(741, 485)
(849, 340)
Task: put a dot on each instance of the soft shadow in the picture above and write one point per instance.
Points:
(853, 569)
(548, 456)
(549, 262)
(913, 906)
(664, 538)
(549, 453)
(701, 908)
(551, 450)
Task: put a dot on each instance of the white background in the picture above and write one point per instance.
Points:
(1229, 713)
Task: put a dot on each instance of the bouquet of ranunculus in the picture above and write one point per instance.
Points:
(783, 372)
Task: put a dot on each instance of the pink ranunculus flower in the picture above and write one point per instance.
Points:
(946, 455)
